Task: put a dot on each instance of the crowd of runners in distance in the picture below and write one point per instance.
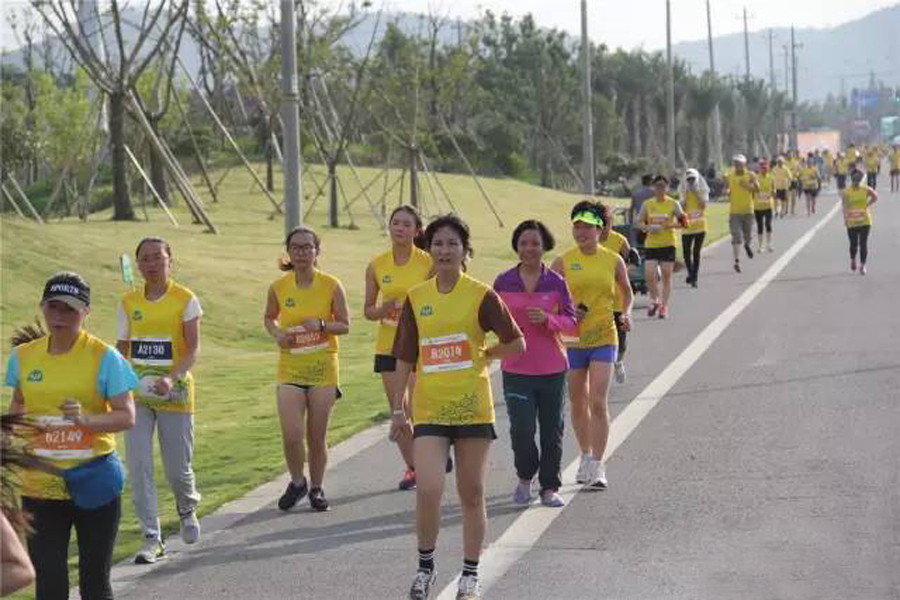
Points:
(560, 328)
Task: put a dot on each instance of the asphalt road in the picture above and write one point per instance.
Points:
(770, 469)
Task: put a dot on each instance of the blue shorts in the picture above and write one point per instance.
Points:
(580, 358)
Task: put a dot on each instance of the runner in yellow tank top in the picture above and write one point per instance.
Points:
(442, 331)
(660, 217)
(763, 207)
(390, 276)
(741, 185)
(783, 177)
(159, 331)
(809, 175)
(857, 200)
(694, 194)
(617, 243)
(305, 312)
(594, 276)
(77, 390)
(894, 159)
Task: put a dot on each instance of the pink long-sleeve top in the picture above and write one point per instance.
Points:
(545, 353)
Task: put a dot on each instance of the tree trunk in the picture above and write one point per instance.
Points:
(270, 169)
(413, 178)
(332, 194)
(122, 209)
(157, 166)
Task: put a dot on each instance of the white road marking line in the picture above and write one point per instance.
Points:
(527, 529)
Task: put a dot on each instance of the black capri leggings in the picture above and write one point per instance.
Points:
(859, 239)
(763, 220)
(623, 335)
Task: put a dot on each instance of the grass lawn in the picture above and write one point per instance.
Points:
(238, 444)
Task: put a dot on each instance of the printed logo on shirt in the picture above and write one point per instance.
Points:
(387, 279)
(138, 315)
(576, 266)
(289, 302)
(426, 311)
(36, 376)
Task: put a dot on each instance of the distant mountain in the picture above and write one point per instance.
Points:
(850, 53)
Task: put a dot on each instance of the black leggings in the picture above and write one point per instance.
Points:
(623, 336)
(48, 546)
(859, 238)
(691, 245)
(763, 220)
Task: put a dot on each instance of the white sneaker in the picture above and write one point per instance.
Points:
(469, 588)
(596, 479)
(152, 550)
(582, 475)
(421, 585)
(190, 528)
(620, 372)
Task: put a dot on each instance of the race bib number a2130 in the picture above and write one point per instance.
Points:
(446, 353)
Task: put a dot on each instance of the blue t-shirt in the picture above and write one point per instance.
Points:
(114, 377)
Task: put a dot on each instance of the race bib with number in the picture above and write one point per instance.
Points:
(63, 440)
(306, 342)
(152, 351)
(659, 220)
(856, 216)
(695, 215)
(393, 317)
(446, 353)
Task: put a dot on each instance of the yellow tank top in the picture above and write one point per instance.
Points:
(453, 385)
(46, 381)
(763, 200)
(782, 177)
(394, 281)
(842, 167)
(873, 161)
(157, 345)
(663, 214)
(312, 358)
(696, 215)
(810, 178)
(895, 160)
(592, 282)
(741, 199)
(856, 211)
(614, 242)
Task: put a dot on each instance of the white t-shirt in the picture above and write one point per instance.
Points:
(191, 311)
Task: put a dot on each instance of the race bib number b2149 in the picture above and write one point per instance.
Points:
(61, 439)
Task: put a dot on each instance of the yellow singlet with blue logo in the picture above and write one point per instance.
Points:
(856, 211)
(312, 358)
(46, 381)
(696, 215)
(662, 214)
(592, 281)
(453, 385)
(394, 281)
(764, 198)
(156, 338)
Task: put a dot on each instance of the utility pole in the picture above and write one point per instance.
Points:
(787, 69)
(290, 116)
(670, 91)
(771, 61)
(794, 46)
(746, 47)
(717, 119)
(588, 124)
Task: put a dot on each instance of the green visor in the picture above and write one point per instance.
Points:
(589, 218)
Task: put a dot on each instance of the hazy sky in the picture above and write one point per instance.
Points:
(626, 23)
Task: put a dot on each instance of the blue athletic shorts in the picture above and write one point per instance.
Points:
(580, 358)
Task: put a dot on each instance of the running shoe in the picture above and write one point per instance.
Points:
(651, 310)
(737, 266)
(469, 588)
(596, 476)
(552, 499)
(522, 495)
(694, 284)
(582, 475)
(190, 528)
(152, 550)
(664, 311)
(748, 250)
(421, 585)
(448, 468)
(770, 249)
(409, 481)
(292, 494)
(317, 500)
(852, 265)
(862, 270)
(621, 375)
